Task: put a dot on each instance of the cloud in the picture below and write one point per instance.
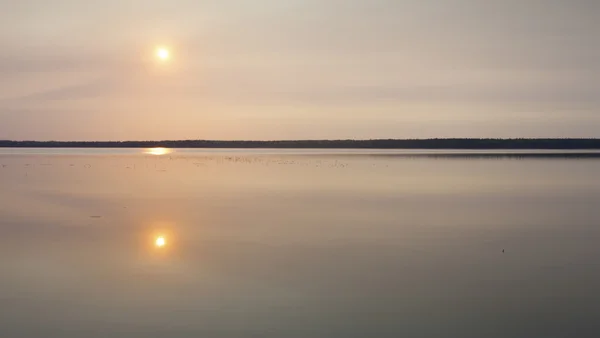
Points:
(14, 63)
(93, 89)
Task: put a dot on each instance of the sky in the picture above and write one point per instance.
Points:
(298, 69)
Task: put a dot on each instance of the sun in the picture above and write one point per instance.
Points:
(160, 242)
(162, 53)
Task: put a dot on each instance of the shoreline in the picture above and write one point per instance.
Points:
(422, 144)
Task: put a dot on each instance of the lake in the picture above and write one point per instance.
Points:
(299, 243)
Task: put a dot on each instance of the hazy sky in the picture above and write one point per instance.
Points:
(274, 69)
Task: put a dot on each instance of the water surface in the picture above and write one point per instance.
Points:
(299, 243)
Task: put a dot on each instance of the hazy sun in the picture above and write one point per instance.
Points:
(160, 242)
(162, 53)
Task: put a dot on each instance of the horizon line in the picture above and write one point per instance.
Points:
(440, 143)
(318, 140)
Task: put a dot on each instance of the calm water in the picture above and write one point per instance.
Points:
(271, 243)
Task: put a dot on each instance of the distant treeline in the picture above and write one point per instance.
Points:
(454, 143)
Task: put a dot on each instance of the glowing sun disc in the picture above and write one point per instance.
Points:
(162, 53)
(160, 242)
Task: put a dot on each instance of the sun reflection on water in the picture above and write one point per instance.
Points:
(158, 151)
(160, 239)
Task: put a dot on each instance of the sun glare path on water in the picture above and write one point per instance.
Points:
(157, 151)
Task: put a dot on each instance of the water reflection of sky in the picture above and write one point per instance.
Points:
(274, 246)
